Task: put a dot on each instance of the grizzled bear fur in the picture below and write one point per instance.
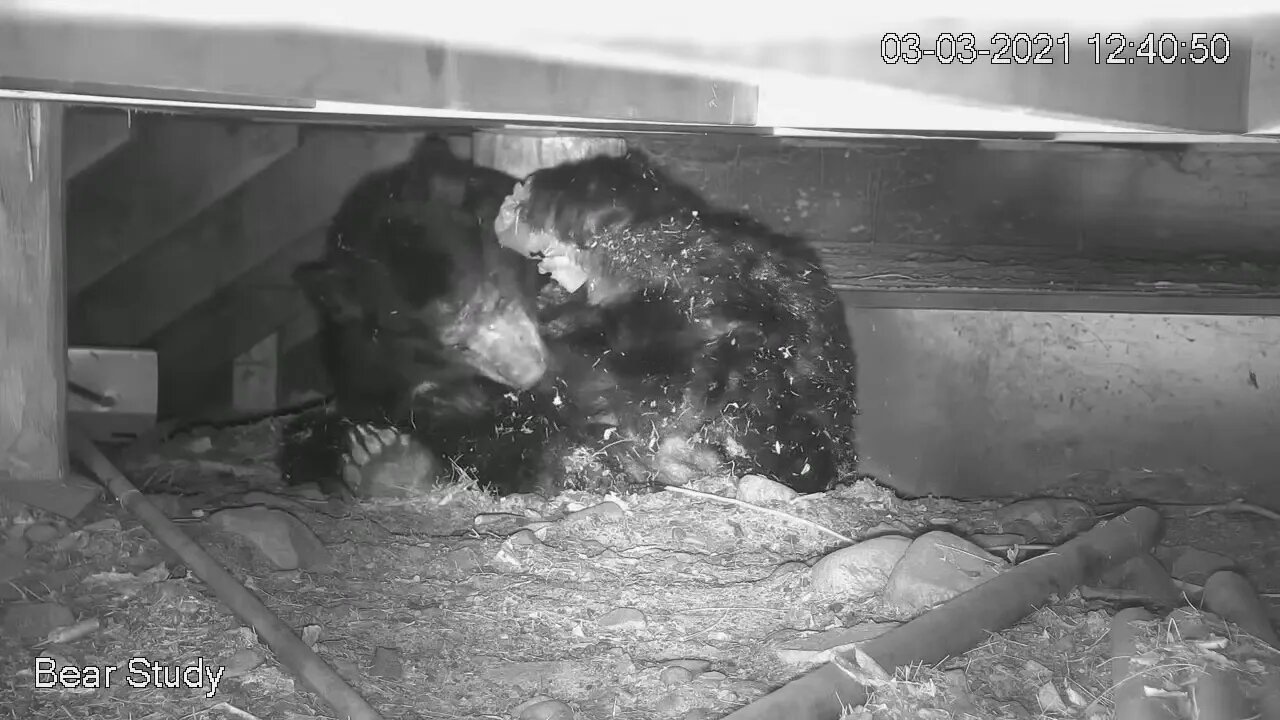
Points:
(703, 330)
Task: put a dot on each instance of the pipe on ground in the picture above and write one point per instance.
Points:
(963, 622)
(288, 648)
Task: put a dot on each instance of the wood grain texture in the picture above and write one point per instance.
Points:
(174, 169)
(301, 64)
(197, 349)
(293, 196)
(91, 135)
(32, 293)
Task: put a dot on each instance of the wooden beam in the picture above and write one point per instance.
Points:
(296, 195)
(1076, 82)
(33, 341)
(196, 348)
(1062, 302)
(91, 135)
(299, 331)
(519, 154)
(175, 168)
(282, 64)
(1173, 284)
(1264, 79)
(255, 375)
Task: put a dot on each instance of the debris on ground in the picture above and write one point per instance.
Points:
(683, 604)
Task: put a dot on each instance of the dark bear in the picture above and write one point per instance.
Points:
(713, 332)
(426, 325)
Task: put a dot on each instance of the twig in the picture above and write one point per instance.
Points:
(1238, 506)
(770, 511)
(234, 711)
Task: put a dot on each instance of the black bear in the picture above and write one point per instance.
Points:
(704, 330)
(426, 326)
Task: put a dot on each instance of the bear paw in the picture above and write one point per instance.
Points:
(384, 462)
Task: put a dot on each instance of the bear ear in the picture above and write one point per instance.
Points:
(327, 288)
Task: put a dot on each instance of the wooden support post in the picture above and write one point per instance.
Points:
(521, 154)
(33, 342)
(254, 377)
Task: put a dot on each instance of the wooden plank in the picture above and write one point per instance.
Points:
(254, 376)
(301, 330)
(33, 345)
(1075, 83)
(296, 195)
(91, 135)
(175, 168)
(1062, 302)
(358, 69)
(195, 349)
(520, 154)
(1264, 80)
(912, 267)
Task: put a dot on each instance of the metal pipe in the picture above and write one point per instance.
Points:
(965, 620)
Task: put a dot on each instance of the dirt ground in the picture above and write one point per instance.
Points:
(433, 608)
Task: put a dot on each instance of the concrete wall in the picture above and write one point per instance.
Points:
(991, 403)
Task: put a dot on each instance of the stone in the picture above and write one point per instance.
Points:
(284, 540)
(387, 664)
(859, 571)
(935, 568)
(622, 619)
(760, 490)
(29, 621)
(1046, 520)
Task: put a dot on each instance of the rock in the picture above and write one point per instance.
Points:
(817, 648)
(11, 566)
(464, 559)
(29, 621)
(696, 667)
(241, 662)
(346, 668)
(387, 664)
(523, 538)
(937, 567)
(606, 509)
(271, 500)
(41, 533)
(757, 489)
(1046, 520)
(15, 545)
(1049, 699)
(792, 567)
(1193, 565)
(675, 675)
(859, 571)
(170, 504)
(697, 714)
(506, 560)
(200, 445)
(283, 539)
(1144, 575)
(623, 619)
(107, 525)
(669, 704)
(545, 710)
(987, 542)
(310, 491)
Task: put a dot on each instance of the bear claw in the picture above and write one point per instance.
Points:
(382, 461)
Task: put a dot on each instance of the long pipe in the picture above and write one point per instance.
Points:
(965, 620)
(284, 643)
